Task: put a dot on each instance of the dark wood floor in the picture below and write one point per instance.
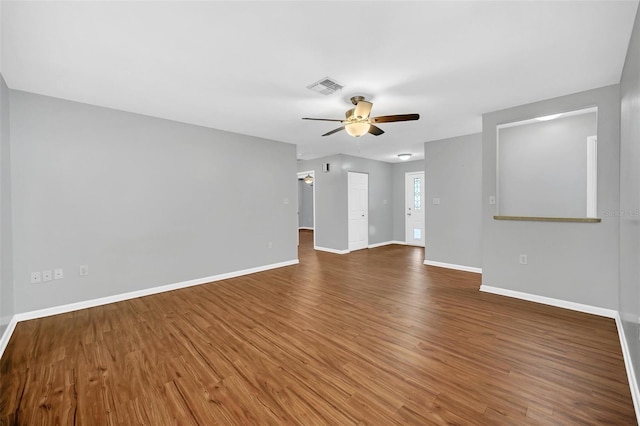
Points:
(372, 337)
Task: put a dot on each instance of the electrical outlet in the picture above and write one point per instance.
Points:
(492, 199)
(47, 275)
(436, 201)
(58, 274)
(36, 277)
(84, 270)
(524, 260)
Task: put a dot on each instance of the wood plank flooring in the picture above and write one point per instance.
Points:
(372, 337)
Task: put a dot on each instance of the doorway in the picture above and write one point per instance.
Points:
(358, 206)
(307, 203)
(414, 208)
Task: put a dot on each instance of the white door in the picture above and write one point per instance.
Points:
(358, 205)
(414, 206)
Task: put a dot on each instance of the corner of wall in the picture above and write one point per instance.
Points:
(7, 302)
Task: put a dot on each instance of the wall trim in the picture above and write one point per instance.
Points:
(62, 309)
(330, 250)
(335, 251)
(628, 365)
(384, 243)
(6, 336)
(453, 266)
(579, 307)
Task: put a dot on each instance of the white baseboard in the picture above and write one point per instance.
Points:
(404, 243)
(41, 313)
(453, 266)
(330, 250)
(4, 339)
(305, 228)
(384, 243)
(335, 251)
(595, 310)
(628, 365)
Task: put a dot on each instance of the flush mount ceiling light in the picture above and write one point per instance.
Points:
(308, 179)
(404, 157)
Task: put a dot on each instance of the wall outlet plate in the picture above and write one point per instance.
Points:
(84, 270)
(36, 277)
(58, 274)
(47, 275)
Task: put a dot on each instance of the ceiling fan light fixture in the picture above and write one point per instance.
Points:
(404, 157)
(357, 129)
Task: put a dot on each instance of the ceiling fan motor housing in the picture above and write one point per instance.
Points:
(356, 99)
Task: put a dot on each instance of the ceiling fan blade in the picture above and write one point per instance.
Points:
(375, 130)
(392, 118)
(362, 110)
(334, 131)
(323, 119)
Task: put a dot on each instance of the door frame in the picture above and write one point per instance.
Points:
(302, 175)
(424, 213)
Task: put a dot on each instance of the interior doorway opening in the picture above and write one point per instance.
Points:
(307, 203)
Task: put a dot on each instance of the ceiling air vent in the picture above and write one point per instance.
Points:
(326, 86)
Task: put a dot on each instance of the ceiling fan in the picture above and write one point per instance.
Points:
(358, 121)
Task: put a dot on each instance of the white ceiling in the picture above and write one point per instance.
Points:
(244, 66)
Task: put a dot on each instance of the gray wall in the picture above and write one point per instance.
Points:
(542, 167)
(453, 173)
(398, 171)
(143, 201)
(630, 197)
(6, 249)
(575, 262)
(305, 204)
(331, 202)
(331, 199)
